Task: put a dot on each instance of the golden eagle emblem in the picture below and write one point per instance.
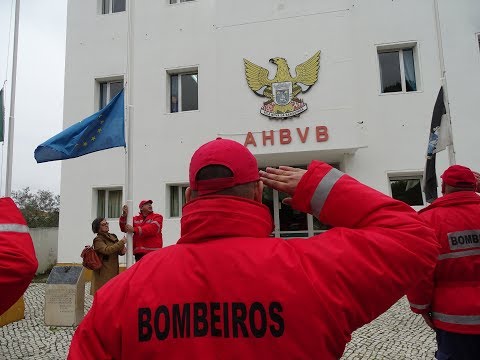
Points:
(283, 89)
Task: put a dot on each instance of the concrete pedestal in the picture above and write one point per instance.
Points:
(65, 296)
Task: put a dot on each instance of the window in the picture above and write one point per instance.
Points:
(183, 91)
(113, 6)
(108, 90)
(397, 70)
(177, 199)
(109, 202)
(178, 1)
(407, 189)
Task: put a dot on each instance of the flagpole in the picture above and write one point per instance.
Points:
(11, 119)
(128, 128)
(443, 80)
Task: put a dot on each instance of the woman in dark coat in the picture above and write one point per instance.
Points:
(108, 247)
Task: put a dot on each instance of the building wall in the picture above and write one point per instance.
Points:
(370, 134)
(45, 242)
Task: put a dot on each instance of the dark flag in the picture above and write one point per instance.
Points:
(102, 130)
(430, 179)
(440, 137)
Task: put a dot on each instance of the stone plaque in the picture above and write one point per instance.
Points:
(65, 296)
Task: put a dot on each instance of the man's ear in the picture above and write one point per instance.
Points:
(188, 194)
(258, 191)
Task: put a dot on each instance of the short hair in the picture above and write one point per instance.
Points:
(451, 189)
(210, 172)
(96, 224)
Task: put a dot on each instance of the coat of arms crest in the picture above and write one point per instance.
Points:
(283, 90)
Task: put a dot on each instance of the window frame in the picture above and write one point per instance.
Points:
(96, 199)
(102, 7)
(400, 47)
(99, 82)
(180, 189)
(411, 175)
(180, 72)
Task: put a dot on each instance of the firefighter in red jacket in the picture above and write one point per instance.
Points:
(146, 229)
(449, 297)
(228, 290)
(18, 262)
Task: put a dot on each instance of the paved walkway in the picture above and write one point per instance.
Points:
(397, 334)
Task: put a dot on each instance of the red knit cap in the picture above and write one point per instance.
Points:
(228, 153)
(460, 177)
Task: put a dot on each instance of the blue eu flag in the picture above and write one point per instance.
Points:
(100, 131)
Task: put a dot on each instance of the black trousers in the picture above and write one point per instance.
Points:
(454, 346)
(138, 257)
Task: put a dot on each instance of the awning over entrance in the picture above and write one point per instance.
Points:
(304, 157)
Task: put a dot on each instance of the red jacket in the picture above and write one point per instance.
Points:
(228, 290)
(147, 236)
(18, 262)
(452, 292)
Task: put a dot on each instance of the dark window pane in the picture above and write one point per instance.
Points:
(174, 93)
(184, 201)
(407, 190)
(390, 72)
(409, 65)
(173, 1)
(290, 219)
(118, 5)
(101, 203)
(115, 88)
(189, 92)
(174, 208)
(105, 6)
(103, 95)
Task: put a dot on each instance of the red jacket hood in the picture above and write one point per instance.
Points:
(220, 216)
(453, 199)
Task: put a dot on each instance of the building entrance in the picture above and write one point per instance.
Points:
(287, 221)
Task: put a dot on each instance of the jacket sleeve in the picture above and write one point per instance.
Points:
(99, 335)
(102, 248)
(122, 221)
(18, 262)
(371, 257)
(421, 294)
(151, 228)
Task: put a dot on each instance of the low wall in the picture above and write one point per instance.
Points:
(45, 241)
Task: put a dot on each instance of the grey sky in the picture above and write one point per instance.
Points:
(39, 95)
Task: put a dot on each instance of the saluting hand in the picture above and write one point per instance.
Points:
(284, 179)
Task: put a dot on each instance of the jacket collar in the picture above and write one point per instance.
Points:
(454, 199)
(219, 216)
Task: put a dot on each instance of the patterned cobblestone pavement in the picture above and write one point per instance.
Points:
(397, 334)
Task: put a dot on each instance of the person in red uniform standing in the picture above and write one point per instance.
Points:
(18, 262)
(449, 297)
(228, 290)
(146, 229)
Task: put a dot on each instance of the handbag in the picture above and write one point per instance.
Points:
(90, 258)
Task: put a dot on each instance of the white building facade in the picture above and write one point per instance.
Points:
(368, 113)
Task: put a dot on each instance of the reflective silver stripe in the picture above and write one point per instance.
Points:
(13, 228)
(457, 319)
(156, 223)
(145, 248)
(323, 189)
(419, 307)
(459, 254)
